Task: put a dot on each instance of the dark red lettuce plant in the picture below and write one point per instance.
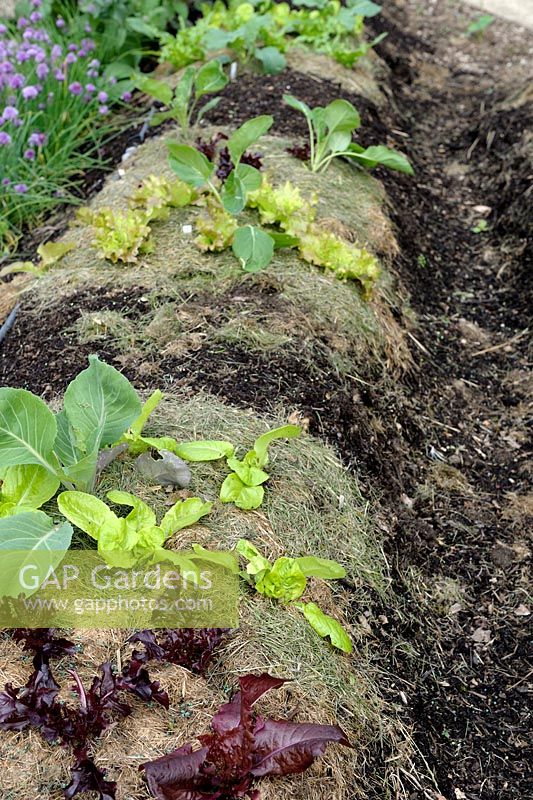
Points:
(241, 747)
(192, 648)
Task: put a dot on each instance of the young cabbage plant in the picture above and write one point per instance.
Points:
(252, 246)
(99, 405)
(286, 581)
(330, 136)
(243, 486)
(122, 540)
(184, 102)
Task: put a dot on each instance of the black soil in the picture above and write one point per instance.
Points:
(443, 452)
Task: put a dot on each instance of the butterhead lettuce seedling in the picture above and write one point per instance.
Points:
(244, 485)
(286, 581)
(122, 540)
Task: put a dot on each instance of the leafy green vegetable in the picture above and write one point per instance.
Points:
(253, 247)
(204, 450)
(243, 486)
(25, 487)
(119, 235)
(263, 31)
(50, 253)
(125, 539)
(20, 537)
(183, 103)
(326, 626)
(99, 405)
(286, 581)
(330, 136)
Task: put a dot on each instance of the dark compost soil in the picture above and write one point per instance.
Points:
(443, 452)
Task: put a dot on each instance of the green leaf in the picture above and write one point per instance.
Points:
(253, 247)
(21, 536)
(26, 487)
(33, 530)
(183, 94)
(245, 136)
(65, 442)
(250, 176)
(204, 450)
(27, 430)
(263, 442)
(233, 194)
(313, 567)
(340, 118)
(183, 514)
(248, 474)
(285, 581)
(157, 89)
(283, 240)
(379, 154)
(210, 78)
(148, 407)
(189, 164)
(141, 515)
(138, 25)
(257, 562)
(233, 490)
(298, 105)
(51, 252)
(226, 560)
(88, 513)
(100, 404)
(326, 626)
(272, 59)
(212, 103)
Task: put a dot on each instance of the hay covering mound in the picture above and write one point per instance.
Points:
(312, 505)
(177, 277)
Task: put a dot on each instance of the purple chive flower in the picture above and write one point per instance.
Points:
(36, 3)
(16, 81)
(5, 138)
(3, 29)
(22, 23)
(75, 88)
(29, 154)
(55, 52)
(59, 75)
(60, 22)
(103, 110)
(112, 80)
(71, 58)
(9, 113)
(20, 188)
(37, 139)
(5, 181)
(94, 63)
(30, 92)
(42, 71)
(36, 16)
(126, 97)
(102, 97)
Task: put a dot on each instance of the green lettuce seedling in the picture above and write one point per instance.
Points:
(123, 540)
(200, 450)
(330, 136)
(244, 485)
(183, 103)
(286, 581)
(99, 405)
